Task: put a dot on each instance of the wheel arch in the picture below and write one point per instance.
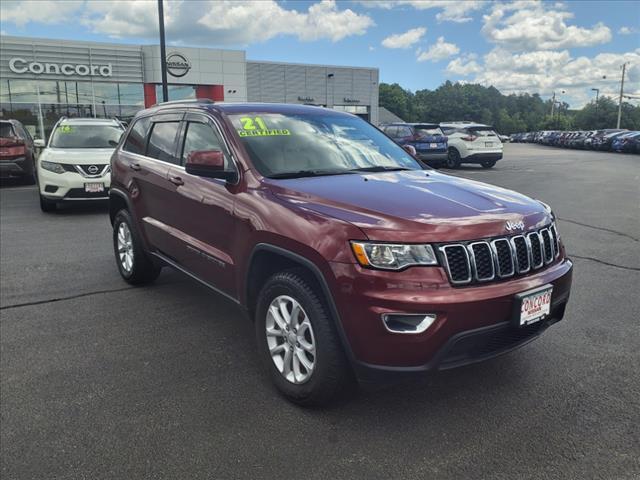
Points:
(267, 259)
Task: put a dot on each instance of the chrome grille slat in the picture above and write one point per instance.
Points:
(504, 257)
(547, 245)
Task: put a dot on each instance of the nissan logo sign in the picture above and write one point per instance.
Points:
(178, 65)
(92, 169)
(20, 65)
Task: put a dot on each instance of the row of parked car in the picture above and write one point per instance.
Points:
(611, 139)
(449, 144)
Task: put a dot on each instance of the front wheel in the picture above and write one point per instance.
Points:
(134, 263)
(488, 164)
(298, 342)
(453, 158)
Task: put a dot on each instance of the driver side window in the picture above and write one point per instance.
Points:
(201, 136)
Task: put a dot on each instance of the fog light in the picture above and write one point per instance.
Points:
(408, 323)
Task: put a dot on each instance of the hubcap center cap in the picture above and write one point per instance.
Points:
(291, 338)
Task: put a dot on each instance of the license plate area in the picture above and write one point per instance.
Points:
(532, 306)
(488, 144)
(94, 187)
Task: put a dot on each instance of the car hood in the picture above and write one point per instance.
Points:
(414, 206)
(77, 156)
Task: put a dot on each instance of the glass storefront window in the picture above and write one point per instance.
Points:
(19, 100)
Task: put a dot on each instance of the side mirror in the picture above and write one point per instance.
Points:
(411, 149)
(208, 163)
(39, 143)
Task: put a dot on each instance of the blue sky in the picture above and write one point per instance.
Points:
(522, 46)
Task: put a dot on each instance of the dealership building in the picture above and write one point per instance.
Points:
(43, 80)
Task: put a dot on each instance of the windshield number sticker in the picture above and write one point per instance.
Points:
(249, 128)
(66, 129)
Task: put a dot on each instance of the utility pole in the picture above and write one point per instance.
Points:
(163, 54)
(597, 90)
(553, 103)
(624, 68)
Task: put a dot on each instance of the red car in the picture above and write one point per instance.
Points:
(16, 152)
(352, 260)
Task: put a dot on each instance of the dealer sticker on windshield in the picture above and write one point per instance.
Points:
(534, 305)
(256, 127)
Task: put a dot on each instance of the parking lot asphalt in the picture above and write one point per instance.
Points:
(102, 380)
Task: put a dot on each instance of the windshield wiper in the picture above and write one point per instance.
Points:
(308, 173)
(379, 168)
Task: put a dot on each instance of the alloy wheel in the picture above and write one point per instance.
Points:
(290, 339)
(125, 247)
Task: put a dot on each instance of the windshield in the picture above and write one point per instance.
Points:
(6, 130)
(86, 136)
(317, 144)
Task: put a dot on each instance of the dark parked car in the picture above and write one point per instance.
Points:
(598, 138)
(427, 138)
(628, 142)
(17, 157)
(349, 256)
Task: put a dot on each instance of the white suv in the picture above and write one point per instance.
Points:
(471, 143)
(75, 165)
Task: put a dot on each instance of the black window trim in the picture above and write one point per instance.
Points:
(166, 117)
(201, 117)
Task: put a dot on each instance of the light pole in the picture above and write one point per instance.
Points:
(624, 68)
(597, 90)
(163, 53)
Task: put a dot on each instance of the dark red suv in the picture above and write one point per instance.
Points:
(352, 260)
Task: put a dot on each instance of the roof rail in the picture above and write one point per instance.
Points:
(189, 100)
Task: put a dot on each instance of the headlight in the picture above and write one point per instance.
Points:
(389, 256)
(52, 166)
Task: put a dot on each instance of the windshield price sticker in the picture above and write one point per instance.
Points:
(255, 127)
(66, 129)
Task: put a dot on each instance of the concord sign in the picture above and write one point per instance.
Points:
(20, 65)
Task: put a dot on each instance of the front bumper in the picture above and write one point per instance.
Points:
(16, 167)
(69, 186)
(472, 323)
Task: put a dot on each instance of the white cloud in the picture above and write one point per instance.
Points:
(628, 30)
(438, 51)
(451, 11)
(404, 40)
(210, 22)
(546, 71)
(23, 12)
(464, 65)
(529, 25)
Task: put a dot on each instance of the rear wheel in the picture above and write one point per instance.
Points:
(47, 206)
(453, 158)
(134, 263)
(488, 164)
(298, 342)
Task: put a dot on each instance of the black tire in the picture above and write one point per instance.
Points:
(47, 206)
(331, 377)
(488, 164)
(453, 158)
(143, 269)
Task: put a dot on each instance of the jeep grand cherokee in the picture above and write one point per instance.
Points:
(352, 260)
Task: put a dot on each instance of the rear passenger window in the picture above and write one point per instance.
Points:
(391, 131)
(200, 136)
(136, 141)
(162, 141)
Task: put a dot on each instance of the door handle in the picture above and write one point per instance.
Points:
(176, 180)
(134, 166)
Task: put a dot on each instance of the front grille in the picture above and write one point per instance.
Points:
(457, 261)
(482, 261)
(94, 170)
